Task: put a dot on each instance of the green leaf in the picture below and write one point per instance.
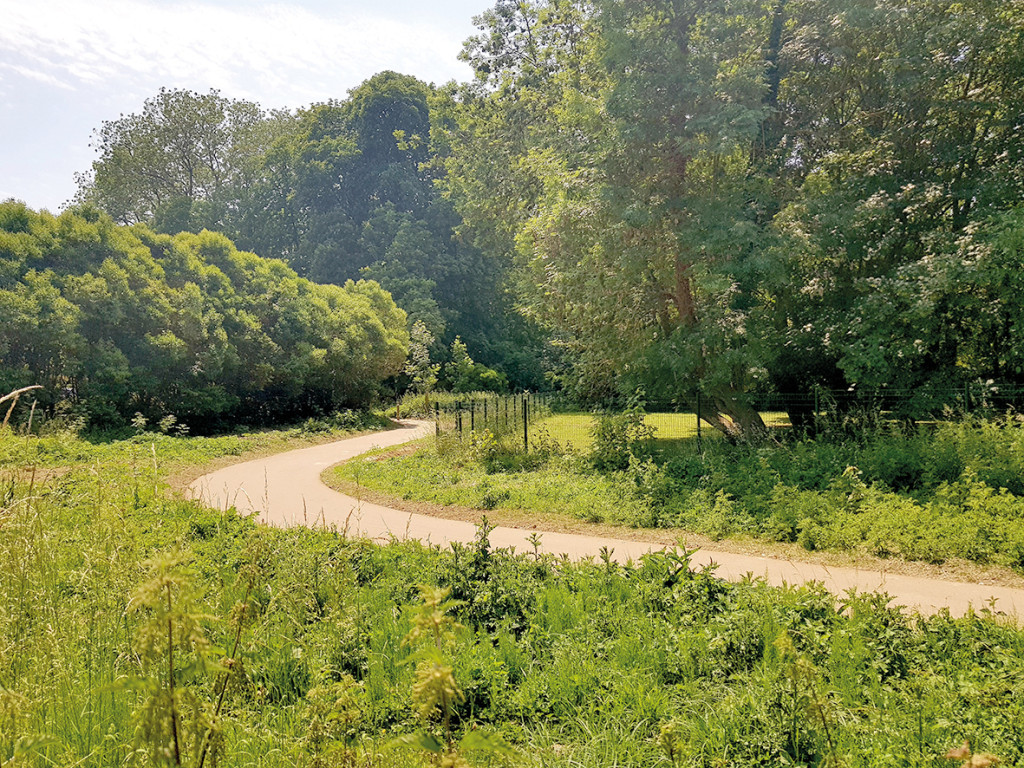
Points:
(420, 740)
(486, 743)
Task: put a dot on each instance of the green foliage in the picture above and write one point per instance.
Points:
(179, 163)
(419, 368)
(345, 421)
(891, 234)
(713, 198)
(620, 438)
(464, 375)
(458, 474)
(944, 491)
(598, 664)
(435, 691)
(341, 191)
(114, 321)
(173, 723)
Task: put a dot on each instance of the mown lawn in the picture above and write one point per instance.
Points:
(574, 430)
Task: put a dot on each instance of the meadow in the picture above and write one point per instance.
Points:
(935, 492)
(137, 628)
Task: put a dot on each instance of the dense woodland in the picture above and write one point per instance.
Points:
(707, 197)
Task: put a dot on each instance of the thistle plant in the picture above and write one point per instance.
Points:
(334, 714)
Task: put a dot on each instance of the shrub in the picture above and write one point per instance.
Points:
(620, 437)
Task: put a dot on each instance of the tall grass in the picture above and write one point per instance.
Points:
(121, 622)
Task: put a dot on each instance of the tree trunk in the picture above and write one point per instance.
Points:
(736, 420)
(683, 296)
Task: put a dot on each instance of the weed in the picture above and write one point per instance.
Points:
(599, 664)
(172, 723)
(621, 437)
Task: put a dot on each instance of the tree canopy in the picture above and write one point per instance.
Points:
(114, 320)
(717, 197)
(342, 190)
(709, 199)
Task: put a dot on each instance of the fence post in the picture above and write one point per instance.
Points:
(485, 411)
(458, 418)
(700, 444)
(526, 425)
(437, 420)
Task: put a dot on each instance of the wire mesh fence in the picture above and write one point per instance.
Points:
(532, 419)
(511, 416)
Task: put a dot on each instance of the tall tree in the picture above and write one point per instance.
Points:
(181, 159)
(902, 134)
(641, 217)
(342, 190)
(717, 196)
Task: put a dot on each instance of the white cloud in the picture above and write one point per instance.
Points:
(281, 55)
(68, 65)
(35, 74)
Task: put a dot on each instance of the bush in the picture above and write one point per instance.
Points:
(619, 438)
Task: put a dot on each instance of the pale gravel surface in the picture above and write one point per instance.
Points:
(285, 489)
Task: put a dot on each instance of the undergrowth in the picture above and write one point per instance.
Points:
(942, 491)
(54, 445)
(140, 629)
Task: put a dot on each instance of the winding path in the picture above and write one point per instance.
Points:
(285, 489)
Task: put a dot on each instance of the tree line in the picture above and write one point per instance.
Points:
(114, 320)
(342, 190)
(729, 196)
(704, 198)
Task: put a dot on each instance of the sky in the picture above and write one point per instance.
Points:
(68, 65)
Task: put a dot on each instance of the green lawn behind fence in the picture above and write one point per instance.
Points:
(574, 430)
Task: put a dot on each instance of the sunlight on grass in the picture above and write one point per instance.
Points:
(573, 430)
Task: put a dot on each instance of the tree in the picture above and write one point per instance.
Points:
(419, 367)
(901, 141)
(640, 221)
(464, 375)
(176, 164)
(342, 190)
(114, 320)
(714, 198)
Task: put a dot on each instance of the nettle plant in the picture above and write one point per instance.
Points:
(435, 691)
(172, 649)
(183, 677)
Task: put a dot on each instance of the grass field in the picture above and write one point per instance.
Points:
(135, 626)
(574, 430)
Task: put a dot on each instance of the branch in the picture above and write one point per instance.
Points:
(19, 392)
(13, 397)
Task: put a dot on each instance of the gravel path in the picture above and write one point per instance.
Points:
(285, 489)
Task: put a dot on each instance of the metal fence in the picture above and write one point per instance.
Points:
(514, 416)
(533, 418)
